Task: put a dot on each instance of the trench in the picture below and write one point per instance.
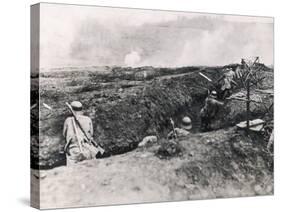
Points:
(191, 109)
(177, 112)
(192, 112)
(117, 125)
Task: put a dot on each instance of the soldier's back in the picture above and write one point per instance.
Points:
(86, 124)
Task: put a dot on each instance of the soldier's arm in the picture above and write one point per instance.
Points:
(206, 101)
(220, 78)
(219, 103)
(66, 146)
(65, 126)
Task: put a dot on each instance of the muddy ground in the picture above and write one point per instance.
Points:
(218, 164)
(125, 107)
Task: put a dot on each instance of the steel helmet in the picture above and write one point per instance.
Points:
(186, 123)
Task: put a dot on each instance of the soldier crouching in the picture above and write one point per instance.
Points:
(77, 147)
(209, 111)
(186, 126)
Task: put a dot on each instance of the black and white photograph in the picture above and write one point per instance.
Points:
(141, 106)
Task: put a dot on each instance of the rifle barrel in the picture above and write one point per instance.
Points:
(207, 78)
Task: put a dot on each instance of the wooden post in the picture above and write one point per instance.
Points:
(248, 82)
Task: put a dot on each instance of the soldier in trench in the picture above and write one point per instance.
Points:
(209, 111)
(186, 126)
(227, 83)
(77, 148)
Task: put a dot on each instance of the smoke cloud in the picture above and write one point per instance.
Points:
(132, 59)
(86, 36)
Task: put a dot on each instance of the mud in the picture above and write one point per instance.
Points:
(218, 164)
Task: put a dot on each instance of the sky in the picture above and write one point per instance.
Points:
(103, 36)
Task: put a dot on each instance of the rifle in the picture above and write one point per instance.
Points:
(89, 140)
(207, 78)
(212, 81)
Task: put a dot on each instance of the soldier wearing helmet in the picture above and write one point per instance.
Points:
(209, 111)
(76, 147)
(186, 126)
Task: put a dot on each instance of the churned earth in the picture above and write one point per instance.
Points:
(218, 164)
(125, 107)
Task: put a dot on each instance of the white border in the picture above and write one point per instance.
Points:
(14, 106)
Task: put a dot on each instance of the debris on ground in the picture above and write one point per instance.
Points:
(169, 149)
(148, 140)
(242, 96)
(254, 125)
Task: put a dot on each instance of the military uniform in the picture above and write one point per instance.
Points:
(227, 83)
(77, 148)
(186, 126)
(209, 111)
(179, 133)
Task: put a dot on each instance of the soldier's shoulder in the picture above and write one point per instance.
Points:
(68, 120)
(209, 99)
(213, 101)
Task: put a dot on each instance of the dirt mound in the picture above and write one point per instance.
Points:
(222, 163)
